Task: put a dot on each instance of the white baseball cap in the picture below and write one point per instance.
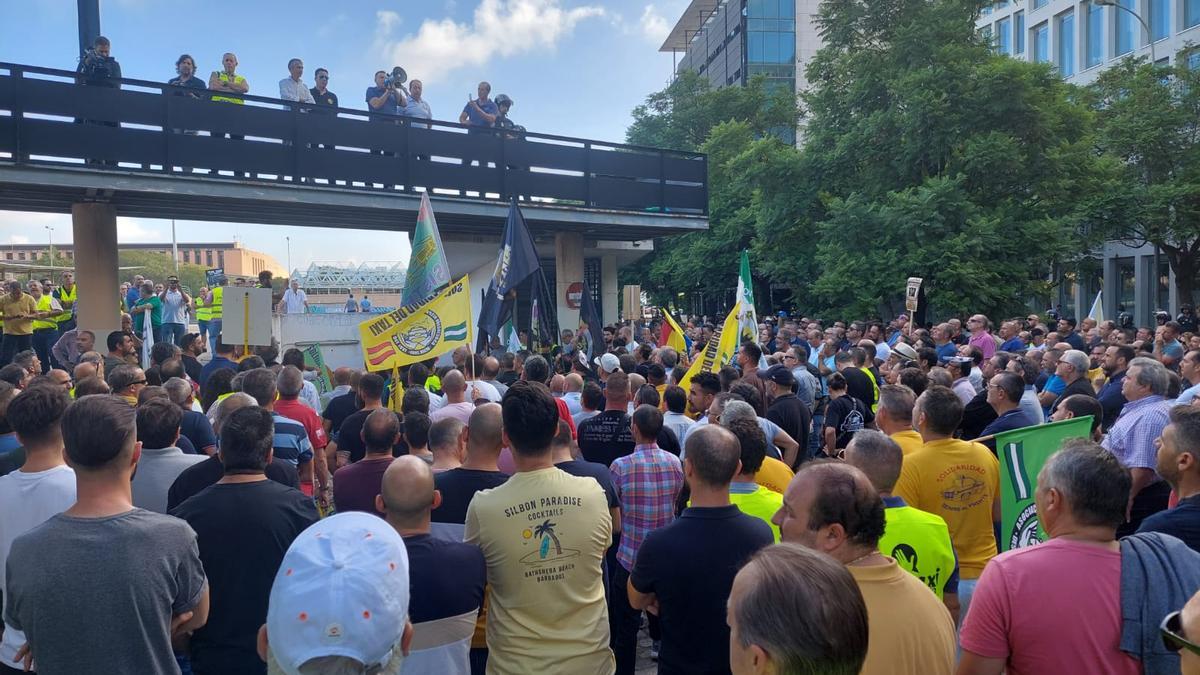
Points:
(609, 362)
(341, 590)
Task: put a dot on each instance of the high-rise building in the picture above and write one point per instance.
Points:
(1081, 40)
(731, 41)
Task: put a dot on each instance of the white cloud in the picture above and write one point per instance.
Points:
(654, 26)
(499, 28)
(130, 230)
(18, 239)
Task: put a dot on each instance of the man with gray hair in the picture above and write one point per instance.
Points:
(195, 425)
(448, 443)
(1084, 574)
(290, 384)
(1132, 439)
(1072, 368)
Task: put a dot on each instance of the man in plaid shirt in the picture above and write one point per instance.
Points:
(647, 483)
(1132, 438)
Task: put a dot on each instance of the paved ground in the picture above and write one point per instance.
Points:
(645, 665)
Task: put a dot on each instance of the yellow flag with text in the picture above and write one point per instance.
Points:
(419, 331)
(718, 352)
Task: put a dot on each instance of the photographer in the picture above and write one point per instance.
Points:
(98, 67)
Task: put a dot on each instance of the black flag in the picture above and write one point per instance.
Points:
(517, 261)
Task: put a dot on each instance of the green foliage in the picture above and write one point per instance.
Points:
(1148, 124)
(158, 266)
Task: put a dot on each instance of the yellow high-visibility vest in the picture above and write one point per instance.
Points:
(44, 305)
(65, 296)
(215, 309)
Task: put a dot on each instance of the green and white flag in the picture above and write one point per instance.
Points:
(428, 270)
(747, 317)
(1022, 453)
(313, 358)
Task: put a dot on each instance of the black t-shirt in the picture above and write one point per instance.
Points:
(203, 474)
(350, 436)
(793, 417)
(847, 416)
(458, 487)
(690, 565)
(606, 437)
(328, 98)
(579, 467)
(1080, 386)
(243, 530)
(507, 378)
(858, 385)
(192, 367)
(977, 414)
(337, 410)
(1183, 522)
(445, 578)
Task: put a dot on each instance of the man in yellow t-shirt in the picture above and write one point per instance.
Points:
(957, 480)
(544, 534)
(19, 309)
(895, 417)
(832, 508)
(745, 492)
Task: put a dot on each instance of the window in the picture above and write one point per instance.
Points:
(1018, 32)
(1066, 43)
(1126, 27)
(1193, 60)
(1004, 36)
(1159, 19)
(1041, 43)
(1038, 4)
(1095, 35)
(1191, 13)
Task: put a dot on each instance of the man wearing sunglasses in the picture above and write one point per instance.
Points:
(1181, 633)
(320, 93)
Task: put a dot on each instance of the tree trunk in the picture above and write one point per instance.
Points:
(1184, 262)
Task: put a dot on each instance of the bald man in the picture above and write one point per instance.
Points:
(446, 577)
(357, 485)
(572, 392)
(491, 370)
(457, 406)
(479, 471)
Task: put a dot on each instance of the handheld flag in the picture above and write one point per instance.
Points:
(719, 351)
(672, 335)
(1022, 453)
(428, 270)
(147, 339)
(589, 313)
(315, 359)
(516, 262)
(418, 332)
(1097, 312)
(747, 317)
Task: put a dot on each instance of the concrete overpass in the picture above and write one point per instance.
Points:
(146, 149)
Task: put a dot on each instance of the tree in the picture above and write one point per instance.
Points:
(158, 266)
(1148, 127)
(724, 123)
(927, 155)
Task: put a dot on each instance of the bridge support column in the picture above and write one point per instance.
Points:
(610, 290)
(94, 226)
(568, 269)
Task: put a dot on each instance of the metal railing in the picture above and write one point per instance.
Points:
(50, 117)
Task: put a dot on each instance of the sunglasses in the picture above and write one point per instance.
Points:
(1170, 628)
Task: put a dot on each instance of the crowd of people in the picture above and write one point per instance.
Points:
(828, 503)
(387, 96)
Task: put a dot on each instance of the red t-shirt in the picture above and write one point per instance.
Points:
(293, 409)
(1050, 608)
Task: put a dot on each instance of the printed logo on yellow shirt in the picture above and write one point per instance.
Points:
(964, 493)
(906, 557)
(545, 538)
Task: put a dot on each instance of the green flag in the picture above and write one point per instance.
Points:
(313, 358)
(747, 317)
(1022, 453)
(427, 267)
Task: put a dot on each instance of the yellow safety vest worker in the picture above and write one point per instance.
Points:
(920, 543)
(64, 296)
(225, 77)
(874, 388)
(215, 308)
(203, 311)
(44, 305)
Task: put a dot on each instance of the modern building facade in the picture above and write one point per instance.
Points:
(1081, 39)
(236, 260)
(732, 41)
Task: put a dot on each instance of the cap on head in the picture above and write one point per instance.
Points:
(608, 362)
(341, 590)
(779, 374)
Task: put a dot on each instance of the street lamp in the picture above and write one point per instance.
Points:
(289, 256)
(1115, 4)
(50, 237)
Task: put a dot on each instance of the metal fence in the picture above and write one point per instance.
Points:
(49, 117)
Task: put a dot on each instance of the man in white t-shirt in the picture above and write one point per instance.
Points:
(295, 300)
(43, 487)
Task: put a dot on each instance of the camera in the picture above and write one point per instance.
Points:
(397, 78)
(94, 65)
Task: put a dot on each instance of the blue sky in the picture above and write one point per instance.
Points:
(572, 67)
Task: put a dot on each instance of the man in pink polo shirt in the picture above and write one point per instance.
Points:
(981, 335)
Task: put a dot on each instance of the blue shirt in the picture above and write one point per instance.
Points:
(217, 363)
(473, 116)
(1054, 385)
(1182, 522)
(1112, 400)
(365, 304)
(131, 298)
(1013, 344)
(291, 442)
(947, 351)
(390, 105)
(1013, 419)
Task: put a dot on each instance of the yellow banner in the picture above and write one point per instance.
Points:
(418, 332)
(719, 351)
